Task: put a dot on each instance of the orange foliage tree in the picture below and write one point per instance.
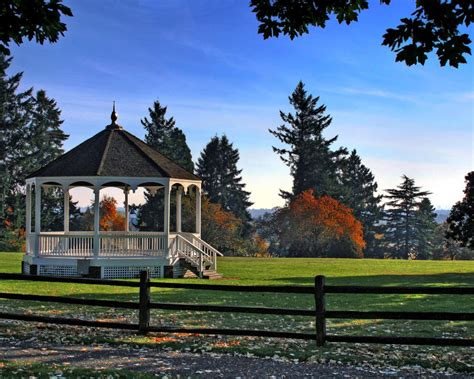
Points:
(110, 219)
(320, 227)
(222, 229)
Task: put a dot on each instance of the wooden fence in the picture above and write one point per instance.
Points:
(319, 290)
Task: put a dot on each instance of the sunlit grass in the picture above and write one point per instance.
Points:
(251, 271)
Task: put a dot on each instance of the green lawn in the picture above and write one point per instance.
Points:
(246, 271)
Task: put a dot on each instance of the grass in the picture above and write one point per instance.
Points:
(248, 271)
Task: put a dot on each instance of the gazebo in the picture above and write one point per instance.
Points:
(116, 158)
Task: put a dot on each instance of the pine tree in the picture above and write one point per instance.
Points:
(222, 180)
(402, 231)
(312, 163)
(163, 135)
(14, 119)
(31, 137)
(461, 217)
(360, 194)
(426, 220)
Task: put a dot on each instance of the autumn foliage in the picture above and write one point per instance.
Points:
(110, 219)
(320, 226)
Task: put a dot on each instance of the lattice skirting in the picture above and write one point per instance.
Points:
(58, 270)
(129, 272)
(26, 268)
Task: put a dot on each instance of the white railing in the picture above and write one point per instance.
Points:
(111, 244)
(132, 244)
(209, 250)
(196, 251)
(63, 245)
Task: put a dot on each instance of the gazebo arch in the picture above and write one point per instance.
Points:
(115, 158)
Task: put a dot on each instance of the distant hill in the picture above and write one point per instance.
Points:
(258, 212)
(441, 214)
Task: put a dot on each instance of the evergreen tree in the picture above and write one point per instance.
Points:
(312, 163)
(426, 220)
(461, 217)
(360, 194)
(14, 118)
(164, 136)
(222, 180)
(31, 137)
(402, 231)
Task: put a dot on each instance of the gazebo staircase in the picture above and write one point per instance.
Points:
(196, 257)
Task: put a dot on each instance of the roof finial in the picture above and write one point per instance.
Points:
(113, 116)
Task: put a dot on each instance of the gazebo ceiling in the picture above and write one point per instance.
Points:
(114, 152)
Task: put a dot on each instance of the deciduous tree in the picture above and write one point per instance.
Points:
(434, 25)
(320, 226)
(31, 19)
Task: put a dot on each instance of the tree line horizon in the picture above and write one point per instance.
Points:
(333, 209)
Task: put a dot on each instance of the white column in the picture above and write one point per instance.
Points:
(28, 218)
(127, 211)
(166, 219)
(96, 220)
(198, 211)
(66, 209)
(179, 192)
(37, 218)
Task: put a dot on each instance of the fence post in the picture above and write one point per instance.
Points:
(144, 303)
(320, 310)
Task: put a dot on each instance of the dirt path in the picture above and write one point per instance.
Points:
(186, 365)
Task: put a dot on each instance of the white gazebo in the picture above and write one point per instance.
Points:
(116, 158)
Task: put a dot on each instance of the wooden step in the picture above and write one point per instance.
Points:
(211, 274)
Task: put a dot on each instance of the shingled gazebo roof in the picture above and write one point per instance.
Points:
(114, 152)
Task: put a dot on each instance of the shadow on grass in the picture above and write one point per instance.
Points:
(443, 279)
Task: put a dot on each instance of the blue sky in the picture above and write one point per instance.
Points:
(206, 62)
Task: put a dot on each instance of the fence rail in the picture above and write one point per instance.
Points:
(319, 291)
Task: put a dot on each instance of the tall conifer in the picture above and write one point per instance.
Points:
(360, 194)
(402, 229)
(313, 164)
(222, 180)
(164, 136)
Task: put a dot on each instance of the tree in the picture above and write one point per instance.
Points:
(31, 136)
(222, 180)
(426, 220)
(220, 228)
(320, 226)
(447, 248)
(38, 19)
(434, 25)
(360, 194)
(402, 230)
(307, 152)
(461, 217)
(164, 136)
(15, 114)
(110, 219)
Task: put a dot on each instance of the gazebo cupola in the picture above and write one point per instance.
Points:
(115, 158)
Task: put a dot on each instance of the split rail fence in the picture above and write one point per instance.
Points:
(319, 313)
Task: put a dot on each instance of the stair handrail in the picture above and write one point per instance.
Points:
(196, 249)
